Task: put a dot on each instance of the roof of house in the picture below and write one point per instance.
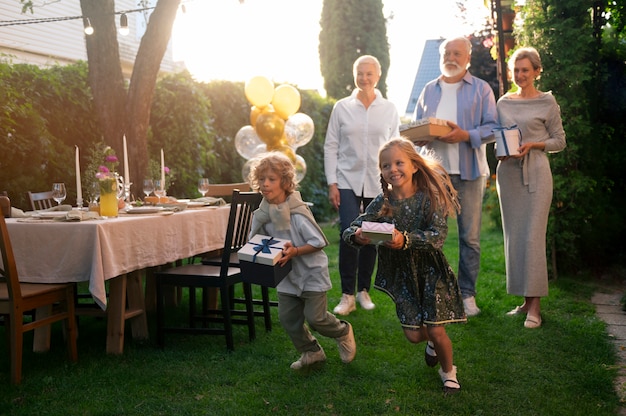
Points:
(428, 70)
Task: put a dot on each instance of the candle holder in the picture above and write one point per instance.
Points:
(127, 193)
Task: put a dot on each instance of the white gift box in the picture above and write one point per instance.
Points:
(258, 260)
(262, 249)
(508, 140)
(377, 231)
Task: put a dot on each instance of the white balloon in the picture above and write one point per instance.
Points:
(246, 141)
(262, 148)
(245, 170)
(299, 129)
(300, 168)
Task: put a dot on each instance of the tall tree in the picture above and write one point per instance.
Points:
(351, 28)
(125, 109)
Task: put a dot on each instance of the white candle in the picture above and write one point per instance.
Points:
(126, 174)
(162, 171)
(79, 190)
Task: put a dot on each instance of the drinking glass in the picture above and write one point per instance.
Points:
(148, 186)
(58, 192)
(203, 186)
(95, 192)
(95, 196)
(157, 189)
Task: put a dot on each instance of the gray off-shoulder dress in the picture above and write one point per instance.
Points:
(525, 191)
(418, 279)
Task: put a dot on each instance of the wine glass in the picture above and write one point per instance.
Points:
(58, 192)
(148, 186)
(158, 191)
(95, 195)
(203, 186)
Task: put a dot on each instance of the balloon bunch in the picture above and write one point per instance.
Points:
(275, 124)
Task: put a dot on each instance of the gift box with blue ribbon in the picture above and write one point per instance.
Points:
(258, 260)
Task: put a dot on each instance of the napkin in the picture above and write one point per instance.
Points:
(209, 200)
(76, 215)
(57, 208)
(18, 213)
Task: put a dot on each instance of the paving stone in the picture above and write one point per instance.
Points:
(606, 299)
(618, 319)
(609, 309)
(600, 308)
(617, 331)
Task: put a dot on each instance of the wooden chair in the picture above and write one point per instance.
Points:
(226, 189)
(41, 200)
(264, 302)
(16, 298)
(223, 277)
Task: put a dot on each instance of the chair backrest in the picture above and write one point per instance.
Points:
(239, 222)
(226, 189)
(41, 200)
(8, 268)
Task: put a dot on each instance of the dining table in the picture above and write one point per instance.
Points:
(114, 251)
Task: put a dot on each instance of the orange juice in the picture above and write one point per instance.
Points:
(108, 204)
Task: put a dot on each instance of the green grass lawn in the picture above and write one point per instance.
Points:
(564, 368)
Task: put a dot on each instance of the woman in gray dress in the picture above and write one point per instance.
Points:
(524, 183)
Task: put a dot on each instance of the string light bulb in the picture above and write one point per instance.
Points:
(88, 27)
(124, 30)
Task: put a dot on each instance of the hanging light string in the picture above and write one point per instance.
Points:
(63, 18)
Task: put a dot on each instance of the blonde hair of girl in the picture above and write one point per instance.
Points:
(431, 178)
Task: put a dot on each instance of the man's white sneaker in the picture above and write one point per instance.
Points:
(364, 300)
(346, 305)
(347, 345)
(308, 358)
(470, 306)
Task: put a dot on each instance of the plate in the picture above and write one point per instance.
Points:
(144, 210)
(196, 204)
(51, 215)
(175, 206)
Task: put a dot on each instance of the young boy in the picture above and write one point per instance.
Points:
(302, 294)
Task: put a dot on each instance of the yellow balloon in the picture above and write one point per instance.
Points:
(256, 111)
(259, 91)
(287, 151)
(286, 101)
(270, 127)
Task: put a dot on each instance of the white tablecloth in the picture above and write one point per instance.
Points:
(98, 250)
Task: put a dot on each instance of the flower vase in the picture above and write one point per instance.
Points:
(108, 195)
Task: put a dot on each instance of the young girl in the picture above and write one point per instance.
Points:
(302, 294)
(412, 269)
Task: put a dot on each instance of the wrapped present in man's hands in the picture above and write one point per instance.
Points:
(425, 129)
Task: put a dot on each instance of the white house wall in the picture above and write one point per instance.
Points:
(63, 42)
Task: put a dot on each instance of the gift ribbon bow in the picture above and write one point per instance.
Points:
(264, 247)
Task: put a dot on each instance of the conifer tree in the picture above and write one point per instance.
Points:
(351, 28)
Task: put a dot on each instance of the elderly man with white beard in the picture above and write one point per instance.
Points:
(468, 105)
